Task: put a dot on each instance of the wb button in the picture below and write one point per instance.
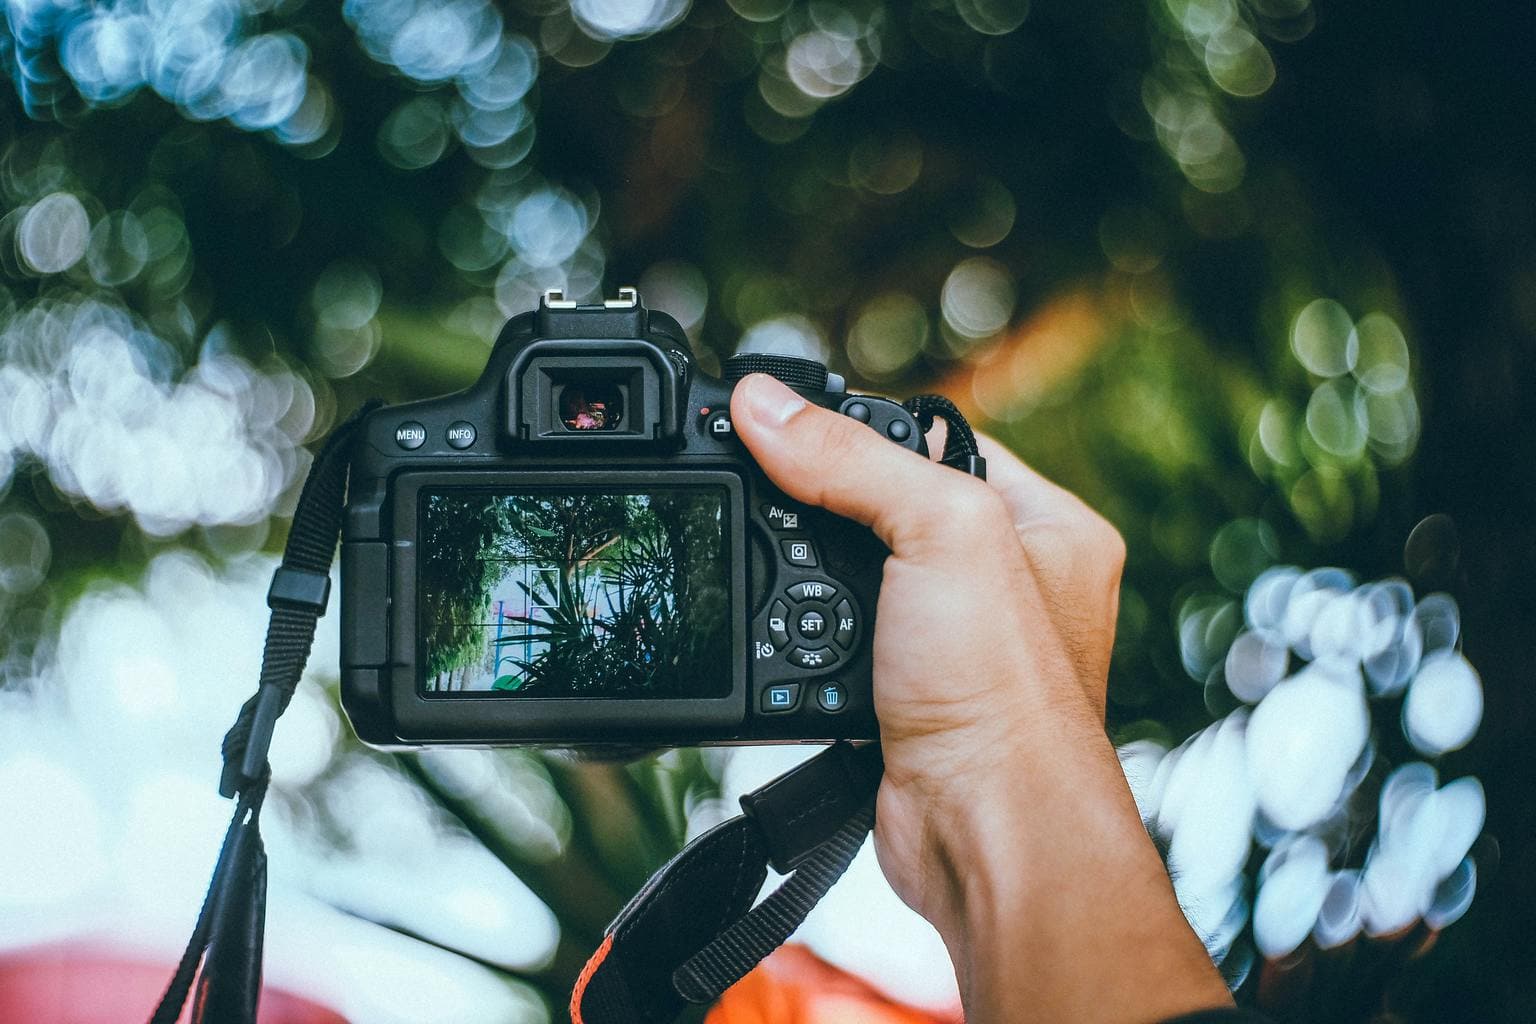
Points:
(783, 697)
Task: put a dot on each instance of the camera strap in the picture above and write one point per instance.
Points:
(687, 936)
(223, 956)
(693, 932)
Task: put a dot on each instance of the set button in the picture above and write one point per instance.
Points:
(812, 624)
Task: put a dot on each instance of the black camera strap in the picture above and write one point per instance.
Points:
(686, 937)
(223, 956)
(693, 932)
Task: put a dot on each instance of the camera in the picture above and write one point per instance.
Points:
(578, 550)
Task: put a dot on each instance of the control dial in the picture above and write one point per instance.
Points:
(806, 374)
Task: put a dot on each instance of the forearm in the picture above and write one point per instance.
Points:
(1054, 902)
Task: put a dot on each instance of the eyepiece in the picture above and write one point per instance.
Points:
(591, 406)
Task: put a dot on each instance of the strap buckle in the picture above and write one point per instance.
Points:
(299, 589)
(804, 807)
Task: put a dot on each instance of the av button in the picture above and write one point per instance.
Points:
(799, 552)
(813, 657)
(781, 518)
(831, 697)
(461, 434)
(410, 435)
(782, 697)
(847, 628)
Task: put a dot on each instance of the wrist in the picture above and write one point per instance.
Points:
(1045, 886)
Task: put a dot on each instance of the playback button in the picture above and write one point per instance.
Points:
(780, 698)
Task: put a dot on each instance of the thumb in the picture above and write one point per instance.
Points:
(819, 457)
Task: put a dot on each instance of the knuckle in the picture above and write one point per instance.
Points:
(1111, 542)
(972, 503)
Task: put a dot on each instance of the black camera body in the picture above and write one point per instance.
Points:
(578, 550)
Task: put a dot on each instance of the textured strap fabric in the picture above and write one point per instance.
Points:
(236, 848)
(960, 448)
(767, 926)
(291, 631)
(223, 956)
(692, 932)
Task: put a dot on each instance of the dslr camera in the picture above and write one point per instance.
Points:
(578, 550)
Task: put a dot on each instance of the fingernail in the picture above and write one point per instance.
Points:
(768, 401)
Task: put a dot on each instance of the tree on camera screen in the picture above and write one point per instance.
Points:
(546, 594)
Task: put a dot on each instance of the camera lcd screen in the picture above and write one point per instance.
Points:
(574, 593)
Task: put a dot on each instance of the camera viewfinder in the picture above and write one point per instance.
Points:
(592, 406)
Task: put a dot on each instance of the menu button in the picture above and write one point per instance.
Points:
(410, 435)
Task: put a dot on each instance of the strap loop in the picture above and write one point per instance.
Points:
(302, 589)
(961, 450)
(805, 807)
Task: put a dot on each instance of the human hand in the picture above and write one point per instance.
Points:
(1003, 817)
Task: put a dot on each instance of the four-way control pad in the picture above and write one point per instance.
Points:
(811, 628)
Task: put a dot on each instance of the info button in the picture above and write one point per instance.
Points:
(461, 434)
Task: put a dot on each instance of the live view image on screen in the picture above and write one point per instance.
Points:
(574, 594)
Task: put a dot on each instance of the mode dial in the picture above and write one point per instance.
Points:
(806, 374)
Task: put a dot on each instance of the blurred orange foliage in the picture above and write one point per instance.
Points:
(794, 986)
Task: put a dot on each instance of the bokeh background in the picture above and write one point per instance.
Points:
(1255, 277)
